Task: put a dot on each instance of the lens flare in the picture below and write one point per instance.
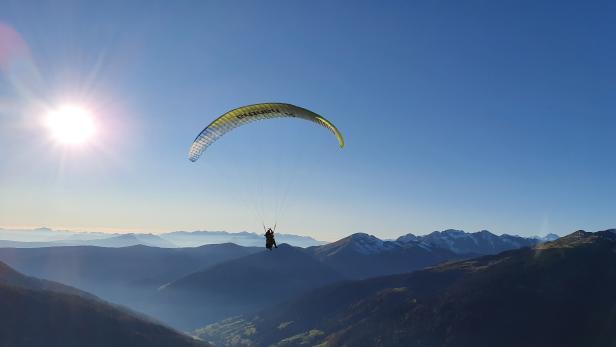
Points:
(71, 125)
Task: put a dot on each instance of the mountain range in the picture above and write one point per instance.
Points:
(190, 287)
(43, 313)
(362, 256)
(263, 279)
(481, 242)
(559, 293)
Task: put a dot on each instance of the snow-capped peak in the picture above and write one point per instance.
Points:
(408, 238)
(454, 233)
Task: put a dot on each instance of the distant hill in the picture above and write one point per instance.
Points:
(48, 235)
(115, 240)
(197, 238)
(241, 285)
(124, 275)
(43, 313)
(125, 240)
(556, 294)
(30, 244)
(45, 237)
(363, 256)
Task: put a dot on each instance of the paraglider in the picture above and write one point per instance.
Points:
(269, 239)
(251, 113)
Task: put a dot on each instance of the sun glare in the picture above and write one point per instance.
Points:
(71, 125)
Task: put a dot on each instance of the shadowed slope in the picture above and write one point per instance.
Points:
(44, 313)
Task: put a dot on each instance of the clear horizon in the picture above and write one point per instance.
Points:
(495, 116)
(125, 231)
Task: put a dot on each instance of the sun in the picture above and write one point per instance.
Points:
(71, 125)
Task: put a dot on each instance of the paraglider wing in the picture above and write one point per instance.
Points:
(247, 114)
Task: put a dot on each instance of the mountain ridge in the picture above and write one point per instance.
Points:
(456, 303)
(480, 242)
(362, 255)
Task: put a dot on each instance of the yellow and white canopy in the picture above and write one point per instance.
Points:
(247, 114)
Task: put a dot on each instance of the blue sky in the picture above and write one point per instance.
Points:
(470, 115)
